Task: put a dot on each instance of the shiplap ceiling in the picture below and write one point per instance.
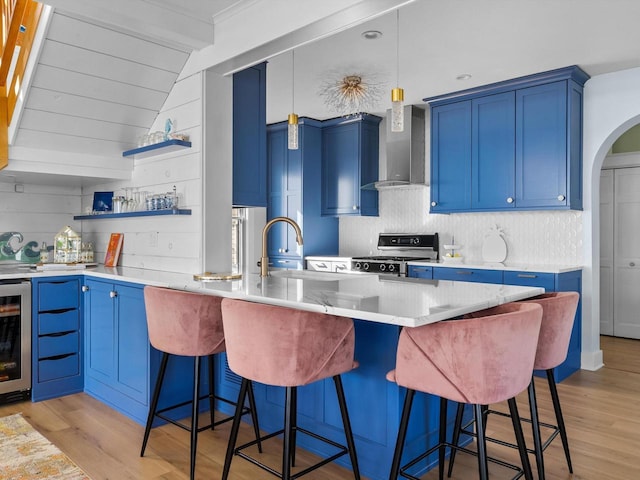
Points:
(95, 89)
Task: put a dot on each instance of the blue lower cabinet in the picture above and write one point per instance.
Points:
(559, 282)
(419, 271)
(467, 275)
(551, 282)
(121, 366)
(57, 337)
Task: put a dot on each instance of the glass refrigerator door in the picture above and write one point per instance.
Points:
(10, 343)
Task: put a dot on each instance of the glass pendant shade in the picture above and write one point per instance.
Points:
(397, 110)
(292, 133)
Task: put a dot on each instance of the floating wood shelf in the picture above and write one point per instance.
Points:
(142, 213)
(157, 149)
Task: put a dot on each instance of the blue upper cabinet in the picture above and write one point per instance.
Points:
(294, 189)
(250, 137)
(510, 145)
(451, 157)
(493, 168)
(350, 159)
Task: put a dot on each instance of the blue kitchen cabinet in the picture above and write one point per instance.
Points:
(549, 146)
(493, 168)
(510, 145)
(558, 282)
(120, 364)
(250, 137)
(56, 338)
(467, 275)
(419, 271)
(349, 161)
(294, 192)
(551, 282)
(451, 157)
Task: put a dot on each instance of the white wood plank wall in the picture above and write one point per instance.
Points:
(170, 243)
(39, 212)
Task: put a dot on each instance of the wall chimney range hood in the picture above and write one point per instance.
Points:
(405, 152)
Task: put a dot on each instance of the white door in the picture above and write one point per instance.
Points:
(626, 253)
(606, 252)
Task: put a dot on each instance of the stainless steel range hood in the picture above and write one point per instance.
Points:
(405, 152)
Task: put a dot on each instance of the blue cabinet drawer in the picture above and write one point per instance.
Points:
(58, 295)
(54, 368)
(531, 279)
(286, 262)
(56, 345)
(417, 271)
(58, 322)
(467, 275)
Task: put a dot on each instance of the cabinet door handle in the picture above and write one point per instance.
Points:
(355, 207)
(85, 288)
(632, 264)
(340, 267)
(284, 261)
(561, 198)
(464, 272)
(322, 265)
(433, 204)
(527, 275)
(509, 199)
(113, 294)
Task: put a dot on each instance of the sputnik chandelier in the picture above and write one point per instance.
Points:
(352, 93)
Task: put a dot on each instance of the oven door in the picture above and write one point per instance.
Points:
(15, 338)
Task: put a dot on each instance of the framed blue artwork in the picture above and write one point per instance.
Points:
(102, 201)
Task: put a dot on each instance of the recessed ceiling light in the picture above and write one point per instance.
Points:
(463, 76)
(371, 34)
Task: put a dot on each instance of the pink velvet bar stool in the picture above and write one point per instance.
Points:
(474, 361)
(187, 324)
(288, 348)
(558, 314)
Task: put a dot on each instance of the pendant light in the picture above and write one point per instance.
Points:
(397, 94)
(292, 133)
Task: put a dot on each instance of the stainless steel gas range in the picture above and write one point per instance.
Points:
(401, 248)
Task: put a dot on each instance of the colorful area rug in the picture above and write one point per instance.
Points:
(27, 455)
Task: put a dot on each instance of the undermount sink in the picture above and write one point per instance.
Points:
(310, 275)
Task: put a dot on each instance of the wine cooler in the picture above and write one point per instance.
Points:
(15, 340)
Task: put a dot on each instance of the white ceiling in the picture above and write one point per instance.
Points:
(493, 40)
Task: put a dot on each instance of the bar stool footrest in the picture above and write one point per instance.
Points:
(343, 451)
(465, 431)
(435, 448)
(160, 413)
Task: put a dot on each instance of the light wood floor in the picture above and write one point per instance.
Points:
(602, 413)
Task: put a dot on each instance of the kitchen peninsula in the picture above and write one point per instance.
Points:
(380, 305)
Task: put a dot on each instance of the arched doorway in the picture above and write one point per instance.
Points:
(611, 107)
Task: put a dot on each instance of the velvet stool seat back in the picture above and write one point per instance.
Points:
(186, 324)
(289, 348)
(558, 314)
(472, 361)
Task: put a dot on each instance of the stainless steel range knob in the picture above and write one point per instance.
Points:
(392, 268)
(365, 266)
(357, 266)
(383, 267)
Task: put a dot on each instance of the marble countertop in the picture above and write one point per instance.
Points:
(380, 298)
(506, 266)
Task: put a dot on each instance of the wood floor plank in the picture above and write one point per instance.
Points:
(602, 414)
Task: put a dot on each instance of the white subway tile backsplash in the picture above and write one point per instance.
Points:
(537, 237)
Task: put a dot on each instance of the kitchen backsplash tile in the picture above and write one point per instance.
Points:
(540, 237)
